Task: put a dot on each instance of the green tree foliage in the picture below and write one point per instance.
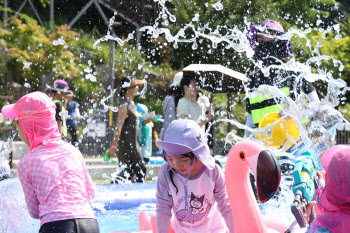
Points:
(33, 51)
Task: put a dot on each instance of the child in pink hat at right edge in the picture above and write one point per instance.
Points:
(56, 185)
(334, 199)
(190, 186)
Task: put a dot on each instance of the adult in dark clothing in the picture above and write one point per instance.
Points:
(271, 50)
(125, 139)
(71, 118)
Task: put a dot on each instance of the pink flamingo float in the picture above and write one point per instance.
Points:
(248, 218)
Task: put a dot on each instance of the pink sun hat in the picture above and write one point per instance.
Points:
(336, 195)
(329, 153)
(35, 113)
(28, 106)
(184, 136)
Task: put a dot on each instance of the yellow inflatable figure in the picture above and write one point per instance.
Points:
(284, 133)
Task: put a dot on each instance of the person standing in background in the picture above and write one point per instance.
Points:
(57, 94)
(170, 103)
(189, 107)
(125, 137)
(72, 116)
(271, 50)
(145, 135)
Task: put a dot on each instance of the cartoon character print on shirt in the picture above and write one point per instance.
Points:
(196, 212)
(196, 203)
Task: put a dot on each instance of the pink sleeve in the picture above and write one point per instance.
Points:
(90, 188)
(319, 194)
(29, 193)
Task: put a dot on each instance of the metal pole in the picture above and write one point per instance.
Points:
(138, 35)
(5, 14)
(36, 13)
(43, 82)
(52, 17)
(111, 78)
(229, 103)
(20, 8)
(104, 16)
(81, 13)
(111, 68)
(111, 83)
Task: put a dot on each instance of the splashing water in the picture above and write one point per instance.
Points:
(316, 134)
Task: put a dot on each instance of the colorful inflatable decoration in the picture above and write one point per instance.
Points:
(248, 218)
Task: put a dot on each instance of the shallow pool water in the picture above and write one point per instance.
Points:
(124, 219)
(117, 207)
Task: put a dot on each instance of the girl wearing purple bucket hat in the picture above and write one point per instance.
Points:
(190, 186)
(271, 49)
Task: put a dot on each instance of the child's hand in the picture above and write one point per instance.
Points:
(308, 211)
(320, 176)
(111, 152)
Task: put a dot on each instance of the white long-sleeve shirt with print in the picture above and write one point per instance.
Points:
(207, 202)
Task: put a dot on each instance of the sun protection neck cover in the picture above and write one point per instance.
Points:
(335, 198)
(269, 25)
(35, 113)
(328, 155)
(184, 136)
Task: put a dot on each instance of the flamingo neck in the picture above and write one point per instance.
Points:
(247, 215)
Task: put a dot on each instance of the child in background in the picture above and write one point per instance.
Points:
(56, 184)
(145, 135)
(190, 183)
(334, 198)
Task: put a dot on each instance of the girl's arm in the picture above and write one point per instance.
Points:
(222, 200)
(164, 201)
(122, 114)
(29, 193)
(89, 185)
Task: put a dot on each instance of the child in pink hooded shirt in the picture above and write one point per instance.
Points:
(334, 199)
(56, 184)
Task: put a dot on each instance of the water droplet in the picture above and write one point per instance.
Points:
(26, 64)
(175, 45)
(91, 77)
(337, 37)
(172, 18)
(194, 45)
(218, 6)
(214, 44)
(44, 142)
(130, 36)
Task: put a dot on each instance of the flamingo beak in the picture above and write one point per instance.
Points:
(266, 170)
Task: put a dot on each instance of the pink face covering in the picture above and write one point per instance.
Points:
(335, 198)
(35, 113)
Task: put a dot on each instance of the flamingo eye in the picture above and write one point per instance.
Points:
(242, 155)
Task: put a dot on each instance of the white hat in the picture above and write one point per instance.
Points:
(177, 79)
